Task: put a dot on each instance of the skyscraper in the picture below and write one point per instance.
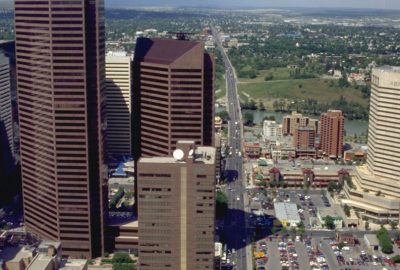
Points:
(60, 51)
(174, 95)
(376, 186)
(118, 85)
(332, 131)
(177, 209)
(290, 122)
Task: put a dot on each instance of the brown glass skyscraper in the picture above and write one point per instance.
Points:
(177, 209)
(332, 131)
(173, 95)
(60, 79)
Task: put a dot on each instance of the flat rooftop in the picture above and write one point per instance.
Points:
(286, 211)
(329, 211)
(202, 154)
(40, 262)
(74, 264)
(388, 69)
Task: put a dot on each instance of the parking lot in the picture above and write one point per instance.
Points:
(307, 201)
(358, 257)
(290, 253)
(320, 251)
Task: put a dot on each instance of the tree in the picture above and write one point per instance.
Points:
(341, 245)
(293, 230)
(329, 222)
(332, 186)
(384, 241)
(261, 106)
(300, 225)
(221, 204)
(269, 77)
(346, 210)
(121, 257)
(343, 81)
(396, 259)
(397, 235)
(366, 225)
(283, 231)
(393, 225)
(252, 105)
(248, 118)
(224, 115)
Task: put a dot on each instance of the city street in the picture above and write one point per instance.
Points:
(238, 241)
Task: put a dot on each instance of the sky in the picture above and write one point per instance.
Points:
(374, 4)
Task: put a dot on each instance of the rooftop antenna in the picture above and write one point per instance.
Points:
(181, 35)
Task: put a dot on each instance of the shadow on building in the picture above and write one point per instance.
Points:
(115, 128)
(10, 176)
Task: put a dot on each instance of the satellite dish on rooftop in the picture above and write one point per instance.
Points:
(191, 152)
(178, 154)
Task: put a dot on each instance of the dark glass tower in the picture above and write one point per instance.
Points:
(60, 53)
(173, 95)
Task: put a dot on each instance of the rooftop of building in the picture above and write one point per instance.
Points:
(329, 211)
(286, 211)
(288, 167)
(73, 264)
(116, 54)
(305, 128)
(40, 262)
(218, 249)
(202, 154)
(332, 113)
(162, 51)
(388, 69)
(15, 254)
(372, 239)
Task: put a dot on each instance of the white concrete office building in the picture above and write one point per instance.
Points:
(376, 191)
(272, 130)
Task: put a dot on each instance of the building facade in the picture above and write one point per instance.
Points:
(375, 189)
(177, 209)
(173, 95)
(304, 141)
(294, 120)
(6, 119)
(118, 89)
(271, 129)
(304, 138)
(332, 132)
(60, 55)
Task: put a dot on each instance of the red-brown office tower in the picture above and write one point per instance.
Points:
(173, 96)
(60, 79)
(332, 131)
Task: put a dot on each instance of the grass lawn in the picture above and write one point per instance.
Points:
(278, 73)
(318, 89)
(220, 88)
